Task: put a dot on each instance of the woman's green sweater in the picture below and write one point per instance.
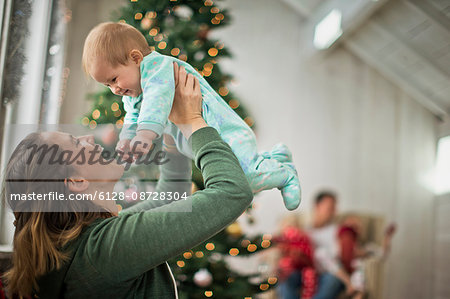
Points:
(124, 256)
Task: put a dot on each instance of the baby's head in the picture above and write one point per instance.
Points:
(112, 56)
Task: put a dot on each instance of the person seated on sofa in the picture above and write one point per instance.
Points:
(337, 251)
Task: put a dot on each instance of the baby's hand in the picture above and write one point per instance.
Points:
(123, 149)
(142, 142)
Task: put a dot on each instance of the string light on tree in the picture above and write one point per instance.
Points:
(92, 124)
(213, 52)
(234, 251)
(175, 51)
(85, 121)
(183, 57)
(223, 91)
(220, 16)
(263, 286)
(265, 244)
(151, 14)
(251, 247)
(267, 237)
(233, 103)
(209, 246)
(245, 243)
(95, 114)
(162, 45)
(249, 121)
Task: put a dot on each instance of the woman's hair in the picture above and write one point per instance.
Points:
(40, 235)
(113, 43)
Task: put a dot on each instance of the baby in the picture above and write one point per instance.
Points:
(118, 56)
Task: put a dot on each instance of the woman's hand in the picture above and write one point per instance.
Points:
(186, 111)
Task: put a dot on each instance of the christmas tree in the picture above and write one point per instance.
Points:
(180, 28)
(204, 272)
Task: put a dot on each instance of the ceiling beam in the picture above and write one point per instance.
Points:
(433, 13)
(405, 40)
(366, 45)
(300, 7)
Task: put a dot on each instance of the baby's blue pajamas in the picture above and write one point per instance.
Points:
(150, 111)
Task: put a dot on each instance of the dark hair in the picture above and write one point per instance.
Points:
(324, 194)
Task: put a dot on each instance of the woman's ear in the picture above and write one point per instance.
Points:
(76, 184)
(136, 56)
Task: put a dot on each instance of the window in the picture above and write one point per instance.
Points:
(443, 166)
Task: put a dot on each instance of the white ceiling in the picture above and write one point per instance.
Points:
(406, 40)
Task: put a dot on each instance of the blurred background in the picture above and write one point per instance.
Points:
(358, 90)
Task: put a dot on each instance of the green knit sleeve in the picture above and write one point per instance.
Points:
(125, 247)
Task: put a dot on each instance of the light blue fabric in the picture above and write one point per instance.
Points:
(151, 111)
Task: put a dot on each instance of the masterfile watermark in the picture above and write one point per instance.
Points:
(91, 157)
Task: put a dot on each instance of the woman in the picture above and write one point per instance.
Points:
(101, 254)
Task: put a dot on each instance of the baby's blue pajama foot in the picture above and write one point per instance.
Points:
(271, 173)
(291, 191)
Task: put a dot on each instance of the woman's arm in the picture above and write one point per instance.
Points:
(123, 248)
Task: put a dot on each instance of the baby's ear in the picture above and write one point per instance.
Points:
(136, 56)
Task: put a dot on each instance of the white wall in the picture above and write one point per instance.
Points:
(349, 128)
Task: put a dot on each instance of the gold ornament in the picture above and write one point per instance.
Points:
(234, 229)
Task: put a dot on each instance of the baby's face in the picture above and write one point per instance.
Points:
(123, 80)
